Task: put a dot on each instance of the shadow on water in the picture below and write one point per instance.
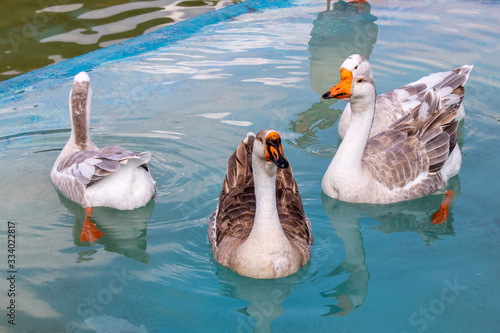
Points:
(124, 230)
(407, 216)
(337, 33)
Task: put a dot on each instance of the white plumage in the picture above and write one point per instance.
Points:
(410, 158)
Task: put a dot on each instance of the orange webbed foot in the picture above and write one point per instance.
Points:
(89, 232)
(441, 215)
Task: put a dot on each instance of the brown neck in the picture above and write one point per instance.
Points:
(79, 96)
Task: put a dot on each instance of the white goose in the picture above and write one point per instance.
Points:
(414, 157)
(394, 104)
(110, 177)
(259, 228)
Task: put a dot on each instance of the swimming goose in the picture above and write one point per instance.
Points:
(414, 157)
(259, 228)
(110, 177)
(392, 105)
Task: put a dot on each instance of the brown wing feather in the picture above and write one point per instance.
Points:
(236, 210)
(411, 146)
(295, 224)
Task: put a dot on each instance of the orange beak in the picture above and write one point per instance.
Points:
(274, 150)
(341, 90)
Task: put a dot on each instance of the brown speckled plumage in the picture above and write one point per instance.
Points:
(232, 221)
(78, 100)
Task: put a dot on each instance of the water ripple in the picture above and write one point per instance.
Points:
(321, 150)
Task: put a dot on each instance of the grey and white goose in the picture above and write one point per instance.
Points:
(92, 177)
(415, 156)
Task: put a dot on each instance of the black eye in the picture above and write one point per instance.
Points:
(356, 67)
(359, 80)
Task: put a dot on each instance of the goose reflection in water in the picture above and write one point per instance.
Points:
(264, 295)
(345, 29)
(407, 216)
(124, 231)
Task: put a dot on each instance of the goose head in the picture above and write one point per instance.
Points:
(80, 100)
(356, 81)
(267, 147)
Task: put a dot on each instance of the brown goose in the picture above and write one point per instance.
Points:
(259, 228)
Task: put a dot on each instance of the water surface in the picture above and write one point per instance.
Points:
(374, 268)
(35, 34)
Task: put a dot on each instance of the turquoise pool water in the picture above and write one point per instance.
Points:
(190, 99)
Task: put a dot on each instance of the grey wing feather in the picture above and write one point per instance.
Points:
(91, 166)
(399, 102)
(411, 146)
(294, 221)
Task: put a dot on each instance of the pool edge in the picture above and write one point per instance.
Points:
(132, 47)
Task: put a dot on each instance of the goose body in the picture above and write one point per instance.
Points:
(394, 104)
(110, 177)
(413, 157)
(259, 228)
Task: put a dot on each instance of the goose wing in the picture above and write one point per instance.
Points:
(413, 150)
(88, 167)
(235, 213)
(295, 223)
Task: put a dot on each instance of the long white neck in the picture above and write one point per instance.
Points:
(346, 168)
(266, 223)
(351, 150)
